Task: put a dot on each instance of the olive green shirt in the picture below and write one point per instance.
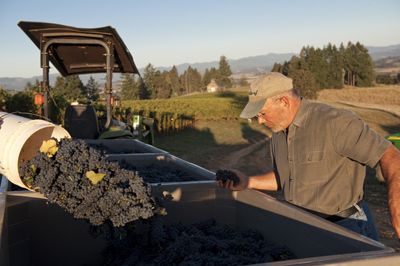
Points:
(321, 163)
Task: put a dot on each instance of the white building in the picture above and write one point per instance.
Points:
(212, 86)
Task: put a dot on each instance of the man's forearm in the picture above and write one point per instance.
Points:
(390, 165)
(263, 182)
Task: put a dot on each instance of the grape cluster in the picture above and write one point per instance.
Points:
(202, 243)
(121, 196)
(225, 175)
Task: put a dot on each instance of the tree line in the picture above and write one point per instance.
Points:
(330, 67)
(157, 84)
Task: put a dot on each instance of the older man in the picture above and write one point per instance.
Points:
(319, 156)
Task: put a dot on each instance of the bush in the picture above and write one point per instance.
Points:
(21, 102)
(387, 79)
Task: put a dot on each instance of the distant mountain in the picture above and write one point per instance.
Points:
(245, 65)
(257, 64)
(19, 84)
(383, 52)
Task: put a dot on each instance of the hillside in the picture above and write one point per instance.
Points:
(246, 65)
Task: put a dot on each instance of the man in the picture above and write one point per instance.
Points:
(319, 156)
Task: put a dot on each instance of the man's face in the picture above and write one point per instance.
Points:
(273, 115)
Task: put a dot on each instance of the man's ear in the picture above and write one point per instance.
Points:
(284, 101)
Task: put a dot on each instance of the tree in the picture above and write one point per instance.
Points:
(143, 90)
(173, 78)
(150, 77)
(317, 64)
(365, 74)
(21, 102)
(224, 73)
(303, 79)
(71, 88)
(92, 90)
(209, 75)
(335, 67)
(277, 68)
(304, 82)
(191, 80)
(128, 87)
(359, 70)
(164, 85)
(4, 95)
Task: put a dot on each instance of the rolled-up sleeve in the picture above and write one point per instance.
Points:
(354, 139)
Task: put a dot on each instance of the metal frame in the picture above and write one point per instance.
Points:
(45, 51)
(61, 45)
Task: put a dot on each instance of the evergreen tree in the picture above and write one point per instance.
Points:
(318, 66)
(22, 101)
(303, 79)
(335, 67)
(358, 65)
(151, 78)
(144, 92)
(365, 74)
(164, 84)
(304, 82)
(71, 88)
(128, 87)
(277, 68)
(174, 81)
(224, 73)
(4, 95)
(92, 90)
(191, 80)
(206, 78)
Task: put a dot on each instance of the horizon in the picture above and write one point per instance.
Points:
(167, 33)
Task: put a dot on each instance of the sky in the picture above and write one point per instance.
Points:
(172, 32)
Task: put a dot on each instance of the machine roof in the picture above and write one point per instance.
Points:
(82, 57)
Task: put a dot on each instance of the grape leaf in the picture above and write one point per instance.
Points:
(49, 147)
(95, 177)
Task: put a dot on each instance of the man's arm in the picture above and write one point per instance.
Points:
(390, 165)
(263, 182)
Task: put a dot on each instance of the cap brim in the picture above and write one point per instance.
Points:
(252, 108)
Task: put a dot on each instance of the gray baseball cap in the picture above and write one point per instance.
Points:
(264, 87)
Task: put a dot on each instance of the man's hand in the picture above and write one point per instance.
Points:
(232, 179)
(390, 165)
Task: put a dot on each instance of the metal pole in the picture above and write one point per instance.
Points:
(45, 67)
(109, 66)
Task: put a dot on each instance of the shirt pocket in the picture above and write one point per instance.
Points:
(311, 157)
(310, 170)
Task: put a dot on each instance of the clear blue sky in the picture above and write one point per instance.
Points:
(168, 32)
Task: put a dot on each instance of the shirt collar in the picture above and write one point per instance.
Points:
(302, 114)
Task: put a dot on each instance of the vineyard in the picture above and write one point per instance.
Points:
(182, 112)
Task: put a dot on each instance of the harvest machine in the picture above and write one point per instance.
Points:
(76, 51)
(33, 232)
